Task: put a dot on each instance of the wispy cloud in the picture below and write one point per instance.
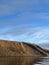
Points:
(21, 19)
(18, 30)
(14, 12)
(11, 6)
(37, 34)
(8, 7)
(41, 35)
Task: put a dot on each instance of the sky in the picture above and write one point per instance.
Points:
(24, 20)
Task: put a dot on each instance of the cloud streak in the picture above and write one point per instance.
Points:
(24, 20)
(8, 7)
(37, 35)
(18, 31)
(41, 35)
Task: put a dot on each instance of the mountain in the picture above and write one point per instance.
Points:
(13, 48)
(44, 45)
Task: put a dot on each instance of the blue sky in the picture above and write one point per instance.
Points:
(24, 20)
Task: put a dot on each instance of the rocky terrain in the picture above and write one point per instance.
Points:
(13, 48)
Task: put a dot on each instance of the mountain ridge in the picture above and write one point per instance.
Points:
(13, 48)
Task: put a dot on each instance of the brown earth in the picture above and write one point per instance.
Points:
(13, 48)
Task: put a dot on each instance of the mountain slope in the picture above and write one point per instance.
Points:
(12, 48)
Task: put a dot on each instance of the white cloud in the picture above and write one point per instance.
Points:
(41, 35)
(37, 35)
(28, 12)
(18, 30)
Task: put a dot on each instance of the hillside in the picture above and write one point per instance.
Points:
(13, 48)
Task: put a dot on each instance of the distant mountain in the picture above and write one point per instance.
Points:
(44, 45)
(13, 48)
